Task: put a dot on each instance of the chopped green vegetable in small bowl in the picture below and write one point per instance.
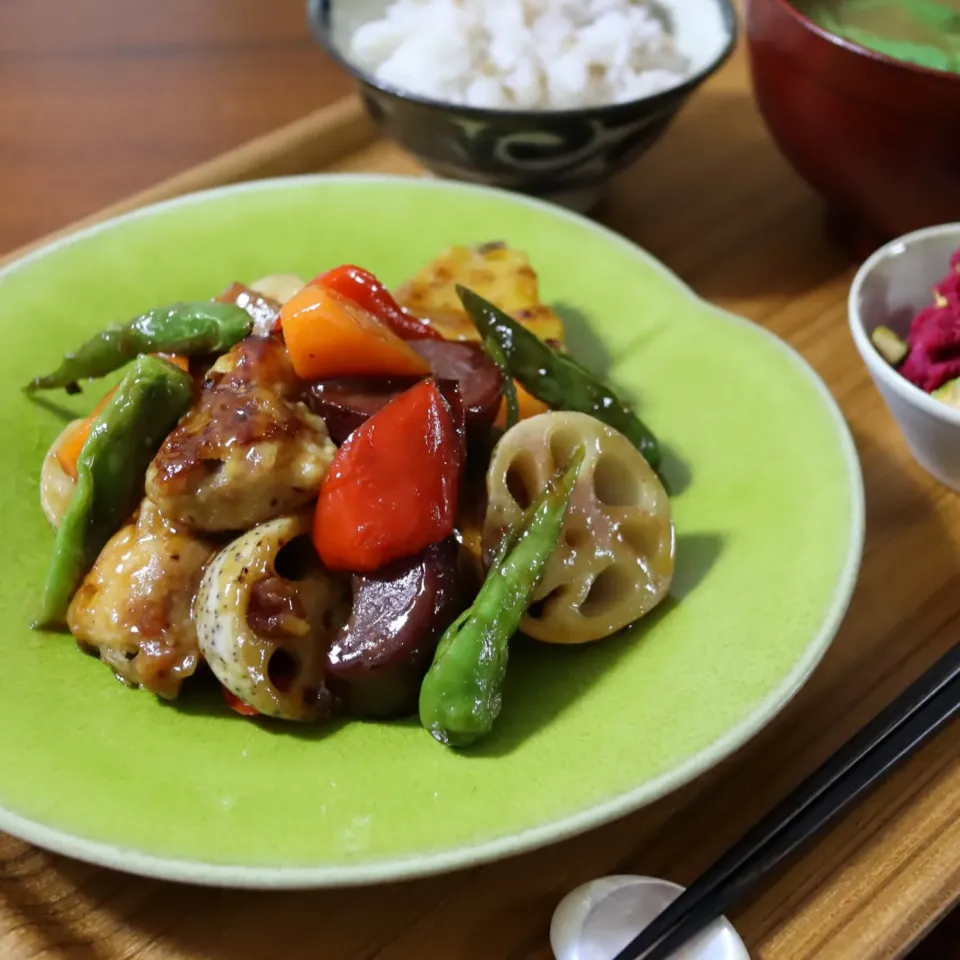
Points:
(892, 347)
(949, 393)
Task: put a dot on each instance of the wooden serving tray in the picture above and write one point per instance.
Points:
(716, 203)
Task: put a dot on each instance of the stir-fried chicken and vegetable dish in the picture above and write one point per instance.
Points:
(342, 501)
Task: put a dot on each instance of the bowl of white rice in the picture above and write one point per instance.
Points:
(547, 97)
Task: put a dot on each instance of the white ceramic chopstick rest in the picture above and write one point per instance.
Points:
(599, 918)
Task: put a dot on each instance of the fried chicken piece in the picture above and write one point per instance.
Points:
(135, 605)
(247, 451)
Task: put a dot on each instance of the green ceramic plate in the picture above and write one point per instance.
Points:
(769, 517)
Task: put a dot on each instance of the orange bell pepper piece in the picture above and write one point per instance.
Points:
(528, 406)
(329, 336)
(178, 361)
(363, 288)
(68, 453)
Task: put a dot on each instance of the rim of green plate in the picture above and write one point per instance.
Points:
(408, 868)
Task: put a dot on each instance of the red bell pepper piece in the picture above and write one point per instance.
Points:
(237, 705)
(363, 288)
(393, 487)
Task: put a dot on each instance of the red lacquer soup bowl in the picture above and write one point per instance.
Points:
(879, 138)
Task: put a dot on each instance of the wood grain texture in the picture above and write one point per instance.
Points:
(102, 98)
(316, 141)
(716, 202)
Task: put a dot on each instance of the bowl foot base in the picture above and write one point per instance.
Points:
(582, 200)
(579, 200)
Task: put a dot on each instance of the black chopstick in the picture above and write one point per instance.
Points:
(899, 729)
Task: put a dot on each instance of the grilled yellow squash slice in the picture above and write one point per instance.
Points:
(496, 272)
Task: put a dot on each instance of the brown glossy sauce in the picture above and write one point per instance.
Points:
(264, 311)
(224, 418)
(275, 610)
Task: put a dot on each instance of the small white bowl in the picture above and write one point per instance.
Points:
(598, 919)
(891, 287)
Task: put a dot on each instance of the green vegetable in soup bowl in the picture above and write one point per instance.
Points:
(922, 32)
(863, 98)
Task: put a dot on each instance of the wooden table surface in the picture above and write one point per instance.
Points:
(99, 98)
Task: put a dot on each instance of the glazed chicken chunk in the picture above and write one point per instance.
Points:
(247, 451)
(135, 605)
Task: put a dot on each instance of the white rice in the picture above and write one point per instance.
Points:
(524, 54)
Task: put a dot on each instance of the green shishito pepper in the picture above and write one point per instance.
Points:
(558, 380)
(110, 473)
(495, 352)
(462, 692)
(184, 328)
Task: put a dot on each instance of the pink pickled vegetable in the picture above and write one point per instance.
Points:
(934, 338)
